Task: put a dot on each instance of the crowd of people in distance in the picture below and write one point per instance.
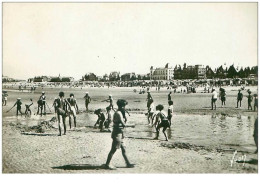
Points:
(222, 95)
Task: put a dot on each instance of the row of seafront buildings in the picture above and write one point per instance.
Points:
(53, 79)
(170, 73)
(166, 73)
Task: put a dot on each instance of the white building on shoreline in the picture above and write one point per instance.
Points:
(166, 73)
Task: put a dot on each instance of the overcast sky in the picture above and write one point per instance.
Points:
(73, 39)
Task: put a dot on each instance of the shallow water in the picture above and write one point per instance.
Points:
(206, 130)
(213, 131)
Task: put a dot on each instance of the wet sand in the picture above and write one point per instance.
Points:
(84, 149)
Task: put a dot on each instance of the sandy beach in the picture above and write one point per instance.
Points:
(200, 140)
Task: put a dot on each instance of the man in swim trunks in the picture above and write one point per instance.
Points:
(73, 109)
(61, 105)
(87, 100)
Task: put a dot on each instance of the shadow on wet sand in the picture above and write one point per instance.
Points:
(79, 167)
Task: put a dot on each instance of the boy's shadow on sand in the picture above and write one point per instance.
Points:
(83, 167)
(79, 167)
(251, 161)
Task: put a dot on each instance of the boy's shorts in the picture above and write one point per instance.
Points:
(117, 141)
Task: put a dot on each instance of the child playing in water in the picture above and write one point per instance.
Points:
(170, 112)
(109, 118)
(256, 102)
(27, 106)
(18, 105)
(100, 120)
(110, 100)
(249, 100)
(151, 112)
(162, 122)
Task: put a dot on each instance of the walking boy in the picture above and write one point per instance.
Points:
(117, 136)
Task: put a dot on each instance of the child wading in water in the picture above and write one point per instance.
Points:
(124, 111)
(109, 118)
(162, 122)
(256, 102)
(28, 110)
(170, 112)
(150, 112)
(18, 105)
(100, 120)
(249, 100)
(110, 100)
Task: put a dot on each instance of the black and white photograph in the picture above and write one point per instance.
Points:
(129, 88)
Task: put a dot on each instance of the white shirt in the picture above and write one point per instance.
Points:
(214, 94)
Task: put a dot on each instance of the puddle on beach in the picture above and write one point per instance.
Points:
(215, 131)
